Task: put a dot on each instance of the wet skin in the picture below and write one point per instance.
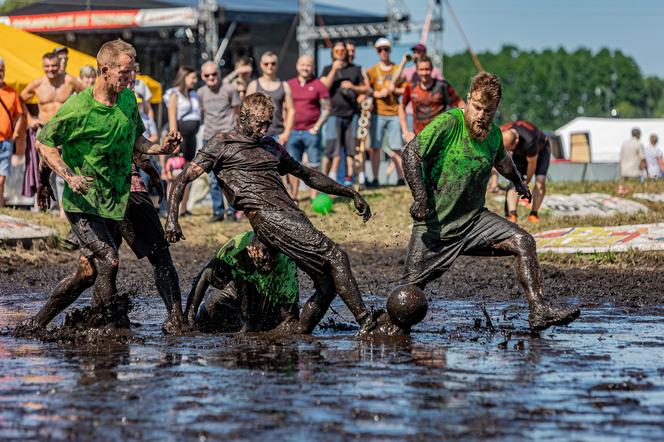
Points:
(521, 244)
(334, 275)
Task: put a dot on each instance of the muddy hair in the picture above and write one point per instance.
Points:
(257, 109)
(110, 52)
(487, 85)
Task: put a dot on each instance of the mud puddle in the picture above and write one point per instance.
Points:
(459, 377)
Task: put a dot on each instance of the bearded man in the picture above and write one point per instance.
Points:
(447, 167)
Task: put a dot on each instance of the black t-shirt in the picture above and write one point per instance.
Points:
(249, 170)
(344, 101)
(532, 141)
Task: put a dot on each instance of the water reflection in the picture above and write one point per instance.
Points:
(455, 378)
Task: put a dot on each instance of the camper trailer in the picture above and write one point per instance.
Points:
(588, 149)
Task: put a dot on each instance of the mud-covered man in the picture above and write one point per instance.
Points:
(99, 130)
(250, 165)
(257, 289)
(447, 167)
(143, 233)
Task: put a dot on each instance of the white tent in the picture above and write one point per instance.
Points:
(606, 135)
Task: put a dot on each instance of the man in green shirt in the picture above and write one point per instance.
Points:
(98, 131)
(258, 289)
(447, 167)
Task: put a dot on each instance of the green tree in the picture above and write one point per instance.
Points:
(551, 87)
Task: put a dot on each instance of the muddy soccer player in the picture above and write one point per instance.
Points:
(258, 291)
(447, 167)
(531, 155)
(143, 233)
(98, 129)
(249, 165)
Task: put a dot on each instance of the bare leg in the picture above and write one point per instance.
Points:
(294, 184)
(106, 262)
(374, 156)
(2, 191)
(67, 291)
(539, 192)
(343, 283)
(395, 156)
(511, 199)
(168, 285)
(522, 246)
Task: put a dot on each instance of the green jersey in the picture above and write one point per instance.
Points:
(455, 170)
(279, 286)
(97, 141)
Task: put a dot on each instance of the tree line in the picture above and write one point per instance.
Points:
(552, 87)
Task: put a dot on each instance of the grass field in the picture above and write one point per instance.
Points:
(390, 225)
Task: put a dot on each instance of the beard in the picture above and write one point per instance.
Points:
(475, 129)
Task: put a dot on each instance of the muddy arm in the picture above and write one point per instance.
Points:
(412, 170)
(190, 172)
(170, 144)
(51, 156)
(319, 181)
(214, 274)
(506, 168)
(144, 163)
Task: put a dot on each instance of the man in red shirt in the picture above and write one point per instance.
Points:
(311, 101)
(11, 118)
(430, 97)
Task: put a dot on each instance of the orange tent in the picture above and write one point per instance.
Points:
(22, 52)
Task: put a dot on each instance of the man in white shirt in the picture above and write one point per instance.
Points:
(632, 157)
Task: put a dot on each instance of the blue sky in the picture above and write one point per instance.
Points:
(634, 27)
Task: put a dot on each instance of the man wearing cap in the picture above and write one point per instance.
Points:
(385, 129)
(410, 73)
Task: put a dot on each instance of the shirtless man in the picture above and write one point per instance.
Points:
(280, 92)
(51, 91)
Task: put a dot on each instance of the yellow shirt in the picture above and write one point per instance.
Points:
(378, 78)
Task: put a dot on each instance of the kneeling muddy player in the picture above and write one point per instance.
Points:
(447, 167)
(142, 231)
(98, 129)
(258, 289)
(249, 166)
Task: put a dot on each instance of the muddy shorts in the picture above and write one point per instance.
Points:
(341, 137)
(291, 232)
(94, 233)
(429, 256)
(141, 227)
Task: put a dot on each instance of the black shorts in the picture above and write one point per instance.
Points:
(341, 137)
(542, 167)
(429, 256)
(141, 227)
(94, 233)
(188, 129)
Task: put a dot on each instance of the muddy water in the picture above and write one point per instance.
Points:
(457, 378)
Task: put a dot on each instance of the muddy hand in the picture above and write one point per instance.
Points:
(44, 195)
(173, 232)
(523, 191)
(362, 207)
(419, 210)
(79, 184)
(172, 141)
